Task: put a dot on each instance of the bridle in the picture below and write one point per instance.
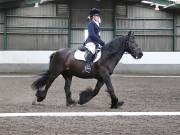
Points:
(130, 48)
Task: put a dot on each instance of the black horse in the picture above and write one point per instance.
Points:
(63, 62)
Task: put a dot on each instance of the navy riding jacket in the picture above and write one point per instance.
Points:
(93, 34)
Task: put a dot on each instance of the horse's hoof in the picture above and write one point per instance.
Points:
(39, 99)
(71, 103)
(118, 104)
(80, 102)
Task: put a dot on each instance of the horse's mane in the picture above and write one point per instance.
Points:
(113, 47)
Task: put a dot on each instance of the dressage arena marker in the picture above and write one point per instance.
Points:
(88, 114)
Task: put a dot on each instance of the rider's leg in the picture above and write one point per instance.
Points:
(91, 51)
(88, 62)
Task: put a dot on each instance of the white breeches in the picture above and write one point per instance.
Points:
(91, 47)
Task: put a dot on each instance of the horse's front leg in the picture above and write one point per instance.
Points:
(68, 80)
(114, 100)
(88, 94)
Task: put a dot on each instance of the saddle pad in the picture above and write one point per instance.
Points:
(80, 55)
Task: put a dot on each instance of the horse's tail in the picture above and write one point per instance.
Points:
(40, 82)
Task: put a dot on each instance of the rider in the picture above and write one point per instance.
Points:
(93, 40)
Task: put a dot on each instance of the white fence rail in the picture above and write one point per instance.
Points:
(37, 61)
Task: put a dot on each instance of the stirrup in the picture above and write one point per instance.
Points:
(87, 69)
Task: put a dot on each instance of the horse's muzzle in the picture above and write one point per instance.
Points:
(138, 53)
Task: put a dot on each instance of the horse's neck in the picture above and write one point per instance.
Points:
(112, 60)
(116, 58)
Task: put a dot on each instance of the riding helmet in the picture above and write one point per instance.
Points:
(94, 11)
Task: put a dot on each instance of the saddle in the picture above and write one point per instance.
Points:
(80, 54)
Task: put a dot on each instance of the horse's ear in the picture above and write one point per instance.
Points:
(129, 33)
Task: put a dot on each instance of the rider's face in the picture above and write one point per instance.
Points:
(97, 18)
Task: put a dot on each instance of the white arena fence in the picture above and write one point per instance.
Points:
(37, 61)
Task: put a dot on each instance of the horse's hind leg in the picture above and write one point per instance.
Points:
(41, 95)
(68, 80)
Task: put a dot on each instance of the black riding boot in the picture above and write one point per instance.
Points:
(88, 62)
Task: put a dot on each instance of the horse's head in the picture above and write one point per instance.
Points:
(132, 46)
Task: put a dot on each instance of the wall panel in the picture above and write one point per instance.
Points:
(43, 28)
(1, 29)
(153, 29)
(178, 33)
